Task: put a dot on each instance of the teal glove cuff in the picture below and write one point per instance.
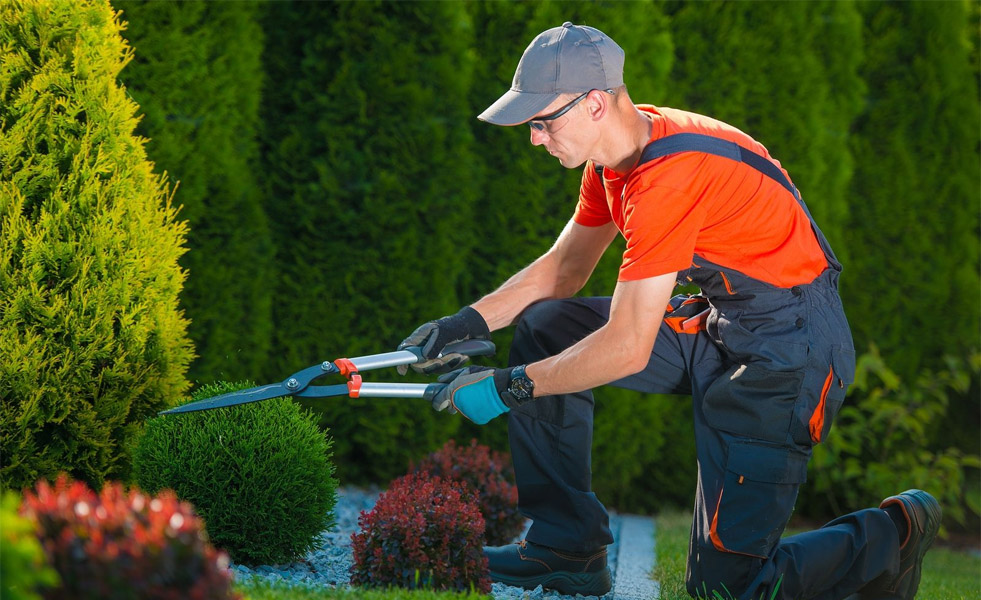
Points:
(479, 400)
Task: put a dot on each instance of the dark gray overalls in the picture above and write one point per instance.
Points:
(767, 369)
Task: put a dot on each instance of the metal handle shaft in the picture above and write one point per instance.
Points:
(414, 354)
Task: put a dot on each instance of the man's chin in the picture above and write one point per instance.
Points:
(568, 164)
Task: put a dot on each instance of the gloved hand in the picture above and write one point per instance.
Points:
(476, 392)
(466, 324)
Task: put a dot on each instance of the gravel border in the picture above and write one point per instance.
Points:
(330, 565)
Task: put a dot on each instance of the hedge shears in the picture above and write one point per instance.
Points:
(298, 384)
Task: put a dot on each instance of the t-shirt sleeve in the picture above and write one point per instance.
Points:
(661, 225)
(592, 210)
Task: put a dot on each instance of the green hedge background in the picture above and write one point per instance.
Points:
(338, 190)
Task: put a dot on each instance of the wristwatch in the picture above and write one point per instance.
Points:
(521, 387)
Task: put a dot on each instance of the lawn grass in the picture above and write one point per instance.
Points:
(947, 574)
(260, 589)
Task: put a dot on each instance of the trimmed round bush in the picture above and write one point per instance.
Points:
(424, 532)
(119, 545)
(489, 475)
(260, 474)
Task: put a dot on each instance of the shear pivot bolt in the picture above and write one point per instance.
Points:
(292, 383)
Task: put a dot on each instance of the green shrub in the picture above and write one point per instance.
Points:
(91, 337)
(23, 569)
(881, 443)
(259, 474)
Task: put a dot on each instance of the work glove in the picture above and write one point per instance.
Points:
(475, 392)
(432, 337)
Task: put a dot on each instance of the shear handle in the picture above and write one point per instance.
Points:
(413, 354)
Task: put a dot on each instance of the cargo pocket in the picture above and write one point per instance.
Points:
(841, 374)
(757, 498)
(753, 401)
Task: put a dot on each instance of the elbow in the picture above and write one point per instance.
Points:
(636, 363)
(566, 287)
(637, 354)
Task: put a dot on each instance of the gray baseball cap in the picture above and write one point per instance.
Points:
(567, 59)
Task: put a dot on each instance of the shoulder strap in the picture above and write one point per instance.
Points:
(697, 142)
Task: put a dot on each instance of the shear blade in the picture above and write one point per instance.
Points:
(264, 392)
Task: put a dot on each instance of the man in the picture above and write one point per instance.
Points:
(764, 350)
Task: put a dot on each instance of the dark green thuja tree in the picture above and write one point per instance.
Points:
(197, 76)
(370, 200)
(915, 214)
(91, 338)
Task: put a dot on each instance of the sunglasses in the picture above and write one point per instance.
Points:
(538, 123)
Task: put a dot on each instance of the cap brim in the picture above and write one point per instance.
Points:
(515, 108)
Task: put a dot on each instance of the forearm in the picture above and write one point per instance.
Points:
(535, 282)
(598, 359)
(620, 348)
(559, 273)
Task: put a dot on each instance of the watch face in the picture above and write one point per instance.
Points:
(521, 388)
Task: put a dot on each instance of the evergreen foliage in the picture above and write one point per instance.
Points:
(371, 199)
(915, 211)
(260, 474)
(389, 204)
(197, 77)
(91, 338)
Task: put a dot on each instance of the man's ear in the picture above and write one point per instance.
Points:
(598, 104)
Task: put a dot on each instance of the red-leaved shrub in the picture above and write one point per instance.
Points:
(119, 545)
(489, 474)
(424, 532)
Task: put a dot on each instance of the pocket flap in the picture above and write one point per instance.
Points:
(772, 464)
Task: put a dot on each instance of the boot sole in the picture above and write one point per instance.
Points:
(564, 582)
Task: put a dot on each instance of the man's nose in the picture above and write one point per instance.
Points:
(538, 137)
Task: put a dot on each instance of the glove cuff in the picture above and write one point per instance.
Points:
(476, 325)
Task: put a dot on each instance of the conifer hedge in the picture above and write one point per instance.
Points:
(368, 159)
(197, 76)
(915, 203)
(91, 338)
(388, 203)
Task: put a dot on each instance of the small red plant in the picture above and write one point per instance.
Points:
(119, 545)
(424, 532)
(488, 474)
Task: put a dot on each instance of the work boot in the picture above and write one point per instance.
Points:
(922, 512)
(529, 565)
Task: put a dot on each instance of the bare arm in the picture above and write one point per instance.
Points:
(620, 348)
(559, 273)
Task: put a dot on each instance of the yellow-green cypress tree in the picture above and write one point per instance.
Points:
(91, 337)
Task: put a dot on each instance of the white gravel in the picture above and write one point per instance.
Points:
(331, 564)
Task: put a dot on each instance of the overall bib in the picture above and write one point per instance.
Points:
(767, 369)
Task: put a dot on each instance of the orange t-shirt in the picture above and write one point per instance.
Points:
(695, 203)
